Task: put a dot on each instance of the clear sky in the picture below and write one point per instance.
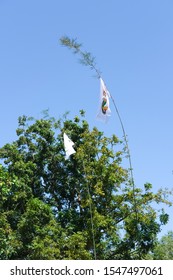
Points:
(132, 41)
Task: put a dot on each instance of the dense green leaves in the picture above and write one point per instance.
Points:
(52, 208)
(163, 249)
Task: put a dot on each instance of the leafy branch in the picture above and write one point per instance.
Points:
(86, 58)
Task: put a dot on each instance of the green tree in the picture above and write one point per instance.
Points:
(72, 209)
(164, 248)
(8, 235)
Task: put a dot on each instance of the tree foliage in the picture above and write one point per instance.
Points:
(164, 248)
(85, 57)
(52, 208)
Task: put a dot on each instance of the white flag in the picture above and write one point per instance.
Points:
(68, 145)
(104, 109)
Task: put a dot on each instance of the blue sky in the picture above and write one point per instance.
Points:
(133, 45)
